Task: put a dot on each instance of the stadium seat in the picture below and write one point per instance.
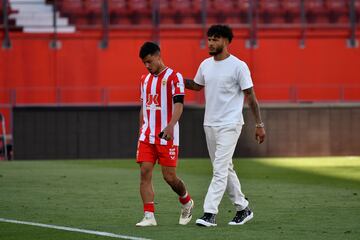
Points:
(183, 11)
(337, 11)
(197, 8)
(291, 10)
(73, 10)
(71, 6)
(315, 11)
(118, 11)
(93, 11)
(220, 11)
(140, 11)
(269, 11)
(242, 10)
(166, 12)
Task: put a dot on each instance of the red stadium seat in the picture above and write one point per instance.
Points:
(140, 11)
(337, 10)
(183, 12)
(118, 11)
(166, 12)
(73, 10)
(94, 6)
(222, 11)
(71, 6)
(269, 11)
(315, 11)
(197, 8)
(242, 10)
(180, 11)
(93, 11)
(357, 10)
(291, 10)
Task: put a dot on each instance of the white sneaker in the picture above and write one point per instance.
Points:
(186, 213)
(147, 221)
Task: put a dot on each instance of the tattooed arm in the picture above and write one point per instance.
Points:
(255, 109)
(192, 85)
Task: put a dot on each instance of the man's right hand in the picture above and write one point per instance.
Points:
(260, 134)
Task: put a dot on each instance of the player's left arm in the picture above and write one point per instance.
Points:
(178, 109)
(255, 109)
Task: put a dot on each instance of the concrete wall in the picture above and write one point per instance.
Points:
(111, 132)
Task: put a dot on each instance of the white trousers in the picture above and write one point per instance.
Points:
(221, 142)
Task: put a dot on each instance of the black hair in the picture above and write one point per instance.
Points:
(220, 31)
(148, 48)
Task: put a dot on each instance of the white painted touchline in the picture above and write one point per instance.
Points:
(106, 234)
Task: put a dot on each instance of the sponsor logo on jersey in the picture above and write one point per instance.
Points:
(153, 102)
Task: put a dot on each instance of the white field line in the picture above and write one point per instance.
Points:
(106, 234)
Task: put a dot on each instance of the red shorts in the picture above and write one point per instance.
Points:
(167, 155)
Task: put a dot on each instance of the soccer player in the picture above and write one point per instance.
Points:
(226, 80)
(162, 95)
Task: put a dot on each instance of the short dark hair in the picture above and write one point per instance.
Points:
(220, 31)
(148, 48)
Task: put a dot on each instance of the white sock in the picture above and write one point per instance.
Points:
(149, 214)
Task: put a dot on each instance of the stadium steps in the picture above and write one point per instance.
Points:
(35, 16)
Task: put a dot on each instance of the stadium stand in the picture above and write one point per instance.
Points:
(36, 16)
(232, 11)
(268, 12)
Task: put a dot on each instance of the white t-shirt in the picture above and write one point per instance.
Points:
(224, 83)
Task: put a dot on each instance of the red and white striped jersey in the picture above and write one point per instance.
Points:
(157, 92)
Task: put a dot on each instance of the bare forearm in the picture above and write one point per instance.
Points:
(255, 109)
(192, 85)
(178, 109)
(253, 104)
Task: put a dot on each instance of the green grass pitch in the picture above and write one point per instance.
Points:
(292, 198)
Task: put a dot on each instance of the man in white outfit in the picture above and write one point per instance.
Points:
(227, 81)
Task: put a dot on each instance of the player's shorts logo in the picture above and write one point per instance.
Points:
(172, 153)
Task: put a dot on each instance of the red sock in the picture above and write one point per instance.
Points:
(149, 207)
(185, 200)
